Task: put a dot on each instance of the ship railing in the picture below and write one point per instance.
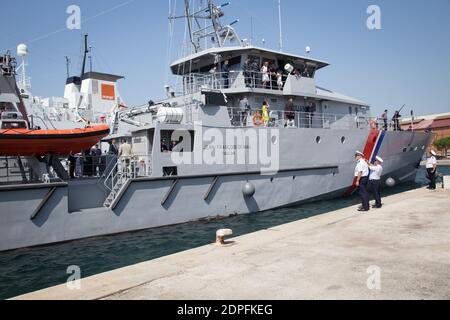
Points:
(297, 119)
(195, 82)
(33, 122)
(124, 169)
(388, 126)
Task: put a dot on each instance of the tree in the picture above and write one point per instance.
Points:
(443, 143)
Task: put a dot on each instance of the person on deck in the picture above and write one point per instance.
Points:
(265, 75)
(265, 113)
(384, 117)
(396, 120)
(244, 109)
(125, 154)
(226, 74)
(247, 69)
(289, 113)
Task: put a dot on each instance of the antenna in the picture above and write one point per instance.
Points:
(86, 51)
(90, 58)
(251, 30)
(67, 66)
(281, 27)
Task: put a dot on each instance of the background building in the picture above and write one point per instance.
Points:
(438, 123)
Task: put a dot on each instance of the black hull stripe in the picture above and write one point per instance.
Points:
(52, 136)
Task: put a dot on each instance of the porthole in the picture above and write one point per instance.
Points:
(318, 140)
(343, 140)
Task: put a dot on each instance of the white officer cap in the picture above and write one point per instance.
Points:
(359, 153)
(379, 159)
(433, 153)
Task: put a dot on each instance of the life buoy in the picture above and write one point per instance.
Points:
(257, 120)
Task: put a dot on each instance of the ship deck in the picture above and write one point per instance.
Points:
(330, 256)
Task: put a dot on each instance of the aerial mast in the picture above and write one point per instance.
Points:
(67, 66)
(86, 51)
(189, 24)
(280, 26)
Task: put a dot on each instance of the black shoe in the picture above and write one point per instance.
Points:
(376, 207)
(362, 210)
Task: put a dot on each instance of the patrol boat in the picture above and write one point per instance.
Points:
(211, 148)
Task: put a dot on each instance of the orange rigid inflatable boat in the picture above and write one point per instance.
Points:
(25, 142)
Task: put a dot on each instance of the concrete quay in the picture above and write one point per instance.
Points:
(401, 251)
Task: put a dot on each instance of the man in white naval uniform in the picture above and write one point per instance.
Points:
(431, 170)
(376, 171)
(362, 179)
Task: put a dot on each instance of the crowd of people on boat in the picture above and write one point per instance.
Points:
(268, 75)
(264, 116)
(93, 162)
(395, 120)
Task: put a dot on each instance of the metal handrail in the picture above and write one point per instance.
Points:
(299, 119)
(124, 169)
(194, 82)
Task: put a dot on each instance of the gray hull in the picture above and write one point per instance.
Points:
(32, 215)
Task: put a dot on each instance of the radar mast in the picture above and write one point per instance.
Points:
(219, 35)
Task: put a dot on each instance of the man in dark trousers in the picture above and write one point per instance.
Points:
(384, 117)
(113, 154)
(226, 74)
(362, 179)
(113, 148)
(247, 69)
(396, 120)
(376, 171)
(431, 167)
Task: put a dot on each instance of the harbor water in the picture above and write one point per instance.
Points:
(27, 270)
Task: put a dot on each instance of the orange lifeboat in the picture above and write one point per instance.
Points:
(25, 142)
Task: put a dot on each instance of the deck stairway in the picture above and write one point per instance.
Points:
(118, 179)
(116, 190)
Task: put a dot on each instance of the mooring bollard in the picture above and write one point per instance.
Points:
(221, 234)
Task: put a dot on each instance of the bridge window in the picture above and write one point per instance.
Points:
(177, 141)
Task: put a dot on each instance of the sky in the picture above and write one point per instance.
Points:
(407, 61)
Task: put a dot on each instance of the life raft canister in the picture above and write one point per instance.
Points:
(257, 120)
